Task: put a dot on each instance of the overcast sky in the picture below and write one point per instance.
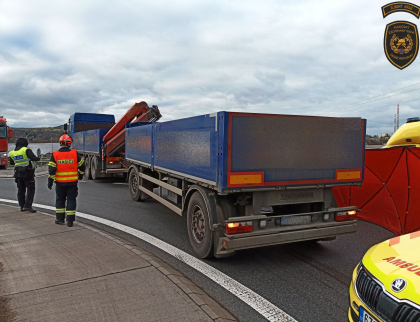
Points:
(193, 57)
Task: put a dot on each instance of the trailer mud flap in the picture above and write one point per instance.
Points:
(224, 210)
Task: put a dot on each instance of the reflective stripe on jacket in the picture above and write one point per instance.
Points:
(19, 157)
(66, 166)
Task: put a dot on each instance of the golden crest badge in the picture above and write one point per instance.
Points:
(401, 43)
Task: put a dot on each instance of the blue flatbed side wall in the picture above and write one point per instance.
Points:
(78, 142)
(89, 141)
(187, 146)
(138, 142)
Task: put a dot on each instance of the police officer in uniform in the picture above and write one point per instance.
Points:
(21, 157)
(64, 168)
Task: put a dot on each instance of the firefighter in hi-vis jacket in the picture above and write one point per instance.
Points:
(64, 168)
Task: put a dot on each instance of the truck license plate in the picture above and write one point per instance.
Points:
(295, 220)
(364, 316)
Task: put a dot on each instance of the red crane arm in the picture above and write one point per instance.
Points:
(136, 110)
(113, 140)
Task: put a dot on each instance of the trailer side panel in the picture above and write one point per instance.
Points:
(93, 141)
(79, 141)
(138, 142)
(266, 150)
(188, 146)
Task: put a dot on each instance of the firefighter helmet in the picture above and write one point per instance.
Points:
(66, 140)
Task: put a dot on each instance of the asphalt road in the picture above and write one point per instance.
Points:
(309, 281)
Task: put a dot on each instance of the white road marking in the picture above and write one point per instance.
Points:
(257, 302)
(121, 183)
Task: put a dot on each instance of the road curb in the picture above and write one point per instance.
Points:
(213, 309)
(8, 173)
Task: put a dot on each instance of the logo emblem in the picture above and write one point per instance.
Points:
(401, 6)
(398, 285)
(401, 43)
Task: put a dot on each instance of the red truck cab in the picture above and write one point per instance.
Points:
(5, 134)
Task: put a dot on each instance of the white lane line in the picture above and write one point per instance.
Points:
(257, 302)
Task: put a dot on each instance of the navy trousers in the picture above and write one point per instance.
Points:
(26, 191)
(65, 202)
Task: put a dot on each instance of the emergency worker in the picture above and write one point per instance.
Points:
(21, 157)
(64, 168)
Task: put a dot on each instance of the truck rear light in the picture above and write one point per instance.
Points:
(113, 160)
(238, 227)
(345, 215)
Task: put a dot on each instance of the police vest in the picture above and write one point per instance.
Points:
(20, 158)
(66, 166)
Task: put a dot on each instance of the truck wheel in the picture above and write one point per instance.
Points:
(93, 167)
(133, 184)
(198, 225)
(87, 169)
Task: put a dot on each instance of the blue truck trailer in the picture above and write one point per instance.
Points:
(247, 180)
(87, 131)
(100, 140)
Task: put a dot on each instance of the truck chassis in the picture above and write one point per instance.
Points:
(276, 216)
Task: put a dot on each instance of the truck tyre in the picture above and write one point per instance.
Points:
(133, 184)
(87, 169)
(198, 225)
(93, 168)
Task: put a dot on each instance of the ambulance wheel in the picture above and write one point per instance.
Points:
(198, 225)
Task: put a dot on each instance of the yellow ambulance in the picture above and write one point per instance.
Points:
(407, 135)
(386, 283)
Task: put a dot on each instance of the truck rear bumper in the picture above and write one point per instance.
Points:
(228, 245)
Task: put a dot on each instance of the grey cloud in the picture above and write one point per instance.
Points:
(194, 58)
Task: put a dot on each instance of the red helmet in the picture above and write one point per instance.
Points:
(66, 140)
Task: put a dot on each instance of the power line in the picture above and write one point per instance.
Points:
(370, 100)
(373, 108)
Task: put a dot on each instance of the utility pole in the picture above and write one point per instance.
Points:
(398, 116)
(395, 122)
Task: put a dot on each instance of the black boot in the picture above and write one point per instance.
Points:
(69, 224)
(59, 222)
(30, 209)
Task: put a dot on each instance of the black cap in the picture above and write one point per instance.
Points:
(22, 142)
